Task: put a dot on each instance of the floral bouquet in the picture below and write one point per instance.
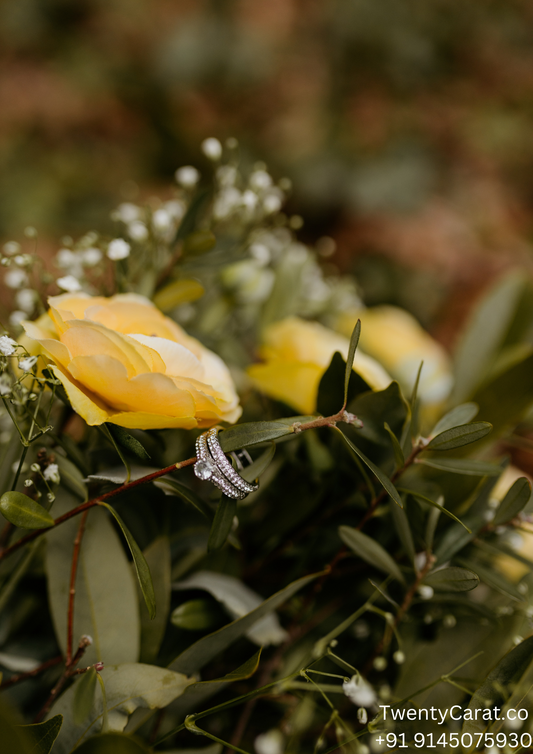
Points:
(243, 512)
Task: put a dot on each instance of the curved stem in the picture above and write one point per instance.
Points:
(95, 501)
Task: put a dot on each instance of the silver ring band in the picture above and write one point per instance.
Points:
(212, 465)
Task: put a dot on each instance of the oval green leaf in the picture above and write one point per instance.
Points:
(354, 340)
(43, 735)
(514, 501)
(452, 579)
(456, 437)
(84, 696)
(195, 615)
(21, 510)
(252, 433)
(141, 566)
(463, 466)
(128, 441)
(368, 549)
(459, 415)
(222, 523)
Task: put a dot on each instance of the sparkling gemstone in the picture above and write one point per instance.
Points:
(204, 470)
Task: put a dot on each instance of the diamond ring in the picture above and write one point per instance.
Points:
(213, 465)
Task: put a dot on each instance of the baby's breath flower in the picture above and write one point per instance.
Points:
(175, 209)
(260, 253)
(11, 247)
(126, 212)
(23, 260)
(161, 220)
(212, 148)
(271, 742)
(28, 482)
(27, 363)
(359, 691)
(35, 467)
(51, 473)
(250, 199)
(30, 232)
(91, 256)
(25, 300)
(5, 385)
(65, 258)
(187, 176)
(50, 497)
(15, 278)
(69, 283)
(226, 175)
(118, 249)
(260, 180)
(138, 231)
(271, 203)
(16, 317)
(7, 345)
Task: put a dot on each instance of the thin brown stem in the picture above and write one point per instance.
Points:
(31, 673)
(72, 590)
(95, 501)
(404, 607)
(328, 421)
(70, 670)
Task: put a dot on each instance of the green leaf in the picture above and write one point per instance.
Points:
(106, 605)
(369, 550)
(128, 441)
(158, 558)
(21, 510)
(354, 340)
(205, 649)
(462, 466)
(504, 399)
(141, 566)
(494, 579)
(195, 615)
(172, 487)
(238, 599)
(515, 500)
(112, 743)
(397, 448)
(222, 523)
(415, 412)
(43, 735)
(13, 737)
(484, 335)
(243, 435)
(401, 522)
(259, 466)
(456, 437)
(459, 415)
(178, 292)
(433, 503)
(452, 579)
(381, 477)
(127, 687)
(84, 696)
(72, 478)
(497, 686)
(107, 433)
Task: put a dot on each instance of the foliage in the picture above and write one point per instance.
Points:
(376, 564)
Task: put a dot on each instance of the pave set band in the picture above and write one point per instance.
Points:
(213, 465)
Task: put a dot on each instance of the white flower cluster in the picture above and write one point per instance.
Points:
(143, 223)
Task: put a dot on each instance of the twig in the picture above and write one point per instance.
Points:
(404, 607)
(31, 673)
(70, 670)
(95, 501)
(72, 590)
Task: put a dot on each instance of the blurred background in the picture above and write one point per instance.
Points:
(405, 127)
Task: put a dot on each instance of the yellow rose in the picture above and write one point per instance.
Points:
(297, 353)
(394, 337)
(122, 361)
